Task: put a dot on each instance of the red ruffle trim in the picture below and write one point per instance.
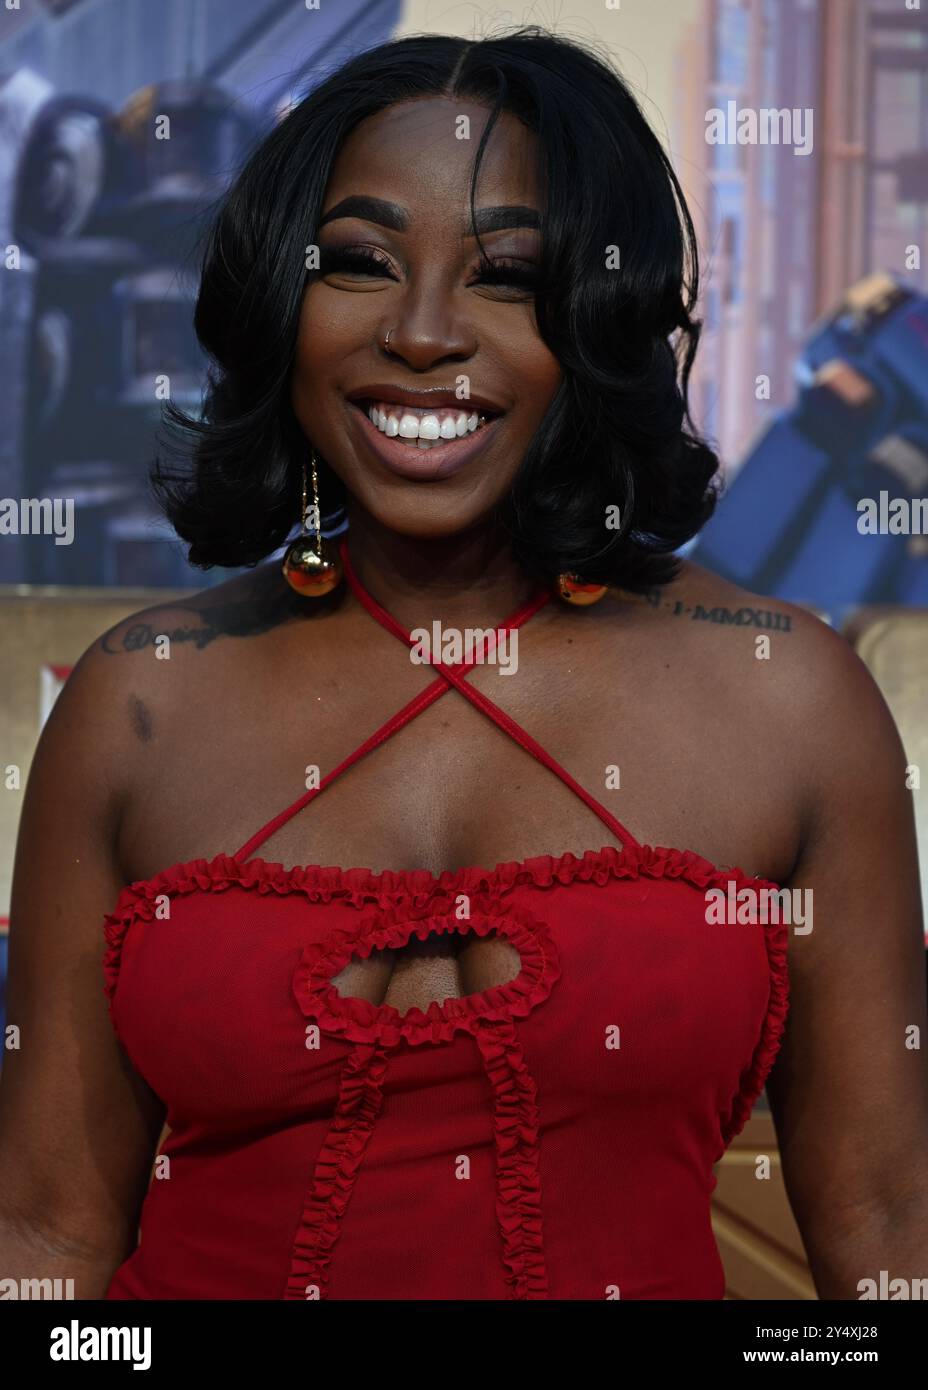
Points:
(360, 1099)
(754, 1078)
(358, 887)
(518, 1180)
(361, 1021)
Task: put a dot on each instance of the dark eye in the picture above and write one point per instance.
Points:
(354, 259)
(505, 272)
(359, 260)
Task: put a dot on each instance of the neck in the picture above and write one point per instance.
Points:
(469, 579)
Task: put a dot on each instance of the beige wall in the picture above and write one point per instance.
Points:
(640, 36)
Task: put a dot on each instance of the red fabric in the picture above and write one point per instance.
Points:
(497, 1145)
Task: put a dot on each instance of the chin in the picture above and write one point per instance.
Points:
(425, 515)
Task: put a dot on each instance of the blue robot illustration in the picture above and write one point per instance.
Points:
(806, 517)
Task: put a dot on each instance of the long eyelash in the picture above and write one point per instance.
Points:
(503, 272)
(367, 261)
(351, 258)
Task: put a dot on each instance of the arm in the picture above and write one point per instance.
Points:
(78, 1127)
(849, 1097)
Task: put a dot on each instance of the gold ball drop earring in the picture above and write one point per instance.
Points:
(309, 566)
(572, 589)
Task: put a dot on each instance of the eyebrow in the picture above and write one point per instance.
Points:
(395, 217)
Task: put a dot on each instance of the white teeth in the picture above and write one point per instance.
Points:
(423, 430)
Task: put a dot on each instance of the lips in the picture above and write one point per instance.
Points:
(433, 397)
(442, 460)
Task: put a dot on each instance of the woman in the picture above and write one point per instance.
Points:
(451, 293)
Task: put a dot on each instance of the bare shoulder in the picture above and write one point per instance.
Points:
(199, 634)
(703, 603)
(701, 606)
(159, 660)
(241, 607)
(799, 677)
(123, 656)
(817, 661)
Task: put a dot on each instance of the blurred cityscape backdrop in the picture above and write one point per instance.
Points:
(811, 377)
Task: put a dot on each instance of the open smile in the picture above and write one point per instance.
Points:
(400, 448)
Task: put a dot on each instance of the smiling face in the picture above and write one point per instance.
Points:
(404, 261)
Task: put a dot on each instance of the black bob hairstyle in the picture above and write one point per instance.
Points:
(618, 431)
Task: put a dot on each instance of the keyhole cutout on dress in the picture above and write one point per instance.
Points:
(444, 965)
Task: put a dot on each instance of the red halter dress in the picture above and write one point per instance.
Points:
(551, 1137)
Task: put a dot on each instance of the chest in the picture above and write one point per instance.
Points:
(624, 996)
(435, 967)
(451, 786)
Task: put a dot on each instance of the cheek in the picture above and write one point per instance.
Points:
(536, 374)
(314, 350)
(326, 333)
(529, 362)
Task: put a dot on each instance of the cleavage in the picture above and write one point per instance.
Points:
(445, 965)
